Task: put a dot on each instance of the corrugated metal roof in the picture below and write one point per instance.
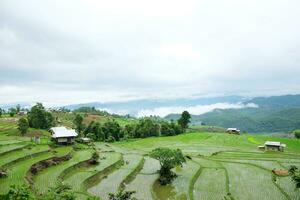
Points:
(63, 132)
(270, 143)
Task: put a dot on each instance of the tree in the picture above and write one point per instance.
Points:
(18, 193)
(168, 159)
(78, 123)
(18, 108)
(122, 195)
(184, 120)
(23, 125)
(297, 133)
(113, 129)
(38, 117)
(1, 112)
(12, 112)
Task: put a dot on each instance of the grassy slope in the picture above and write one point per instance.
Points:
(17, 172)
(49, 177)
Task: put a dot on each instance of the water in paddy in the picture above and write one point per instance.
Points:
(164, 192)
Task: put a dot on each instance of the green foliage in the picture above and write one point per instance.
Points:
(169, 129)
(184, 120)
(23, 125)
(122, 195)
(38, 117)
(1, 112)
(78, 123)
(95, 158)
(18, 193)
(12, 112)
(146, 128)
(60, 192)
(168, 159)
(295, 174)
(297, 133)
(113, 129)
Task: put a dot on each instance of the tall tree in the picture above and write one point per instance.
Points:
(38, 117)
(23, 125)
(184, 120)
(78, 123)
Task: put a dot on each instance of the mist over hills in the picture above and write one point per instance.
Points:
(255, 115)
(273, 114)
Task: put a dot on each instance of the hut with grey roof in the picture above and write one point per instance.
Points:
(62, 135)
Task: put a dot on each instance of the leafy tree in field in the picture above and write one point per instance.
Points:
(23, 125)
(12, 112)
(18, 193)
(1, 112)
(38, 117)
(168, 159)
(295, 174)
(78, 123)
(297, 133)
(184, 120)
(122, 195)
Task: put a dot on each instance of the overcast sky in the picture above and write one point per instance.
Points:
(71, 51)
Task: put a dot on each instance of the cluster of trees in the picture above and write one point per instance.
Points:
(146, 127)
(37, 117)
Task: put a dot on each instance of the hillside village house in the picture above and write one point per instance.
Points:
(272, 146)
(62, 135)
(233, 131)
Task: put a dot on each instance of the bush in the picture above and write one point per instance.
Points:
(122, 195)
(18, 193)
(297, 133)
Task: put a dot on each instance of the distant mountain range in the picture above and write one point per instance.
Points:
(266, 114)
(273, 114)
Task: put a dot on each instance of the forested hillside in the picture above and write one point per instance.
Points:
(274, 114)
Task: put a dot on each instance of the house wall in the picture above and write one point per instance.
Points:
(273, 148)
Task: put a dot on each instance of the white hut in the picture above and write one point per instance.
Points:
(63, 135)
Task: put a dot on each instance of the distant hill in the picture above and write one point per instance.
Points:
(277, 101)
(274, 114)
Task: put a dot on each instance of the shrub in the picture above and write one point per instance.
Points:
(297, 133)
(122, 195)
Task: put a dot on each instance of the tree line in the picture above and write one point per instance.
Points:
(145, 127)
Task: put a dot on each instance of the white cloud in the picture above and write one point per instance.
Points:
(195, 110)
(96, 50)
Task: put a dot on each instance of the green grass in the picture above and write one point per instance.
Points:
(49, 177)
(288, 186)
(211, 184)
(112, 182)
(249, 182)
(21, 153)
(17, 173)
(11, 147)
(76, 177)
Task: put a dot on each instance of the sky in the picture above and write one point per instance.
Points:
(75, 51)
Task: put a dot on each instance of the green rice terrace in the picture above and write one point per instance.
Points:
(218, 166)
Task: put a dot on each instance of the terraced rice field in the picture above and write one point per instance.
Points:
(49, 177)
(17, 172)
(220, 167)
